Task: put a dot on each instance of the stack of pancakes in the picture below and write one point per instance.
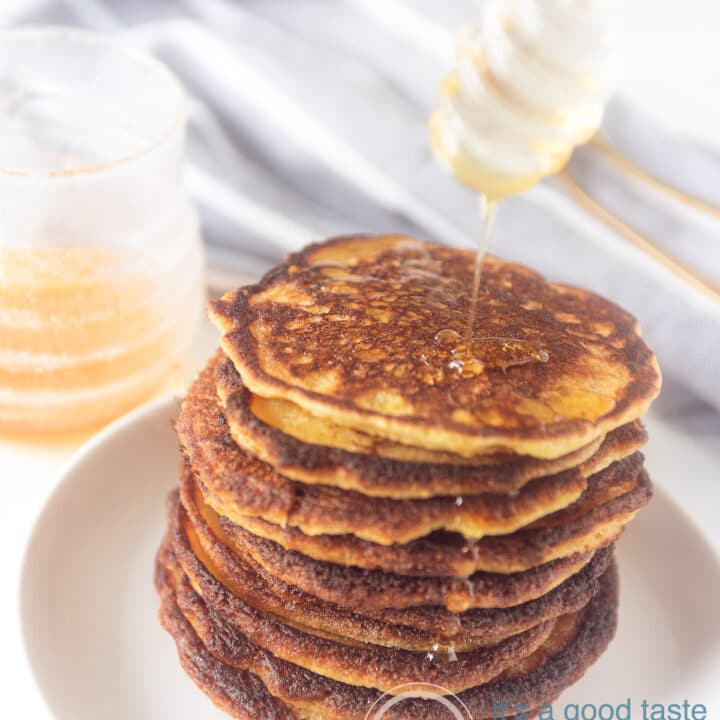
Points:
(367, 501)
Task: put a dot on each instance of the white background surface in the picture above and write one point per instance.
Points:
(673, 62)
(674, 73)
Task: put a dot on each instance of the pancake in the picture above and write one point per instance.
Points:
(320, 510)
(594, 521)
(237, 485)
(292, 421)
(308, 695)
(372, 589)
(365, 664)
(289, 604)
(355, 330)
(375, 474)
(352, 587)
(412, 628)
(241, 694)
(621, 478)
(288, 437)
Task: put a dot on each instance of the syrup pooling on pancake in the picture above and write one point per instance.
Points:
(469, 354)
(346, 330)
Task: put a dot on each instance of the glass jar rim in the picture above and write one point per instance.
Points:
(177, 116)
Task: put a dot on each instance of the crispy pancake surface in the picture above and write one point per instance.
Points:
(228, 670)
(366, 470)
(349, 586)
(374, 495)
(261, 502)
(450, 554)
(220, 573)
(238, 485)
(361, 664)
(355, 330)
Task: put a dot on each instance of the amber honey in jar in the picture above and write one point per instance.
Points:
(101, 263)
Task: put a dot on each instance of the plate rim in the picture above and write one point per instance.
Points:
(167, 406)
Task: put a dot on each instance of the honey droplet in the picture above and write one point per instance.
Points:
(452, 626)
(448, 338)
(465, 364)
(504, 353)
(487, 353)
(461, 361)
(446, 652)
(470, 588)
(473, 550)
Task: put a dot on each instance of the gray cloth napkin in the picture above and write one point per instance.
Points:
(308, 119)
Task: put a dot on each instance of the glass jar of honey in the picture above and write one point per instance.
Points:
(101, 262)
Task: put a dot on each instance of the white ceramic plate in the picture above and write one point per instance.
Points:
(98, 652)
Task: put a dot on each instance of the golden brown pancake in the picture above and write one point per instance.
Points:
(279, 600)
(581, 527)
(374, 474)
(594, 521)
(352, 587)
(305, 694)
(239, 693)
(417, 628)
(271, 428)
(369, 499)
(607, 486)
(372, 589)
(353, 330)
(321, 510)
(237, 485)
(411, 628)
(361, 664)
(292, 421)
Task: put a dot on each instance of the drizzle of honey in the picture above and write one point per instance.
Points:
(488, 208)
(470, 587)
(469, 355)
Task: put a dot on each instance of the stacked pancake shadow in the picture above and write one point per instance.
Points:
(359, 513)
